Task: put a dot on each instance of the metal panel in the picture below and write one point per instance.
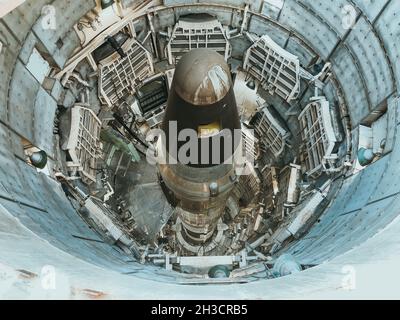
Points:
(38, 66)
(28, 47)
(23, 91)
(370, 8)
(315, 31)
(272, 8)
(223, 14)
(8, 56)
(352, 83)
(295, 47)
(328, 13)
(44, 112)
(393, 117)
(372, 59)
(352, 230)
(260, 27)
(386, 25)
(389, 185)
(21, 19)
(12, 184)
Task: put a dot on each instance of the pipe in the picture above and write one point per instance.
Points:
(76, 76)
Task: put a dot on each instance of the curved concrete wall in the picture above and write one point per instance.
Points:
(39, 226)
(27, 111)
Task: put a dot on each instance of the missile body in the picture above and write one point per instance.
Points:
(202, 109)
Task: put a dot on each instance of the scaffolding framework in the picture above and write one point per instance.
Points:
(192, 34)
(318, 136)
(272, 135)
(277, 70)
(84, 146)
(119, 76)
(249, 143)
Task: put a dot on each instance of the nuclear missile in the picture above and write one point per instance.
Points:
(201, 124)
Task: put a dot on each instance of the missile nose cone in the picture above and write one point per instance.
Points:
(202, 77)
(201, 99)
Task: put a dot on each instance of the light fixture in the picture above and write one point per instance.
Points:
(365, 156)
(251, 84)
(39, 159)
(106, 3)
(219, 272)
